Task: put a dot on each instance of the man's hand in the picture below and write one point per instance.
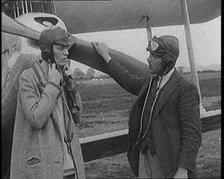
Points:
(54, 75)
(102, 49)
(181, 173)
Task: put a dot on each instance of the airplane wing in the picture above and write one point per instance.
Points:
(92, 16)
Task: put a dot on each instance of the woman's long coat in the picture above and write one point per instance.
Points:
(37, 150)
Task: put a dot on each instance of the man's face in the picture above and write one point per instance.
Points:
(61, 54)
(156, 65)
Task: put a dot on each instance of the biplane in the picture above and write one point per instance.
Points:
(23, 20)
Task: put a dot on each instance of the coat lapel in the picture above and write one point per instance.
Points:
(56, 122)
(166, 92)
(43, 81)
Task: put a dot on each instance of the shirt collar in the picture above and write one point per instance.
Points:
(165, 78)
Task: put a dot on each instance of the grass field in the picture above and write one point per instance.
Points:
(208, 161)
(106, 109)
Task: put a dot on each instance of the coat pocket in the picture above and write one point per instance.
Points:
(34, 169)
(33, 161)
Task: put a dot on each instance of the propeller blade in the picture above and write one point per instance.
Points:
(82, 51)
(14, 27)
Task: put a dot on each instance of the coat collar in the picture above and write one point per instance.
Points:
(167, 91)
(45, 68)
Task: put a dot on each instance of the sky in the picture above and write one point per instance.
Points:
(206, 40)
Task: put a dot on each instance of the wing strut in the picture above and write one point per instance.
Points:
(148, 30)
(194, 75)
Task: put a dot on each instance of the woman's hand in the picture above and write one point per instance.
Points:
(53, 74)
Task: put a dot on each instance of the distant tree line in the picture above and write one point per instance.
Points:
(180, 69)
(90, 74)
(208, 71)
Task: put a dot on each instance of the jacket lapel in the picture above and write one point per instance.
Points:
(166, 92)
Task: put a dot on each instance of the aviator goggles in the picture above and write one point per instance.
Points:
(156, 47)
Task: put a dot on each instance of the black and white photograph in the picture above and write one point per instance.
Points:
(111, 89)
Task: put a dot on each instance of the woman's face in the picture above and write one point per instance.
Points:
(61, 55)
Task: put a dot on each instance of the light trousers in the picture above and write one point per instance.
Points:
(149, 166)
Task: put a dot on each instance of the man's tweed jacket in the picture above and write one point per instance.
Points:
(37, 150)
(176, 120)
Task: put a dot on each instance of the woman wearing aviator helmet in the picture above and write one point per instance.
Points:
(45, 140)
(164, 122)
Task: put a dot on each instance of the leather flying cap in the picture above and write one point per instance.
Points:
(167, 45)
(54, 35)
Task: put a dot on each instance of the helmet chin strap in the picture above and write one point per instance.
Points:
(167, 69)
(163, 71)
(168, 66)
